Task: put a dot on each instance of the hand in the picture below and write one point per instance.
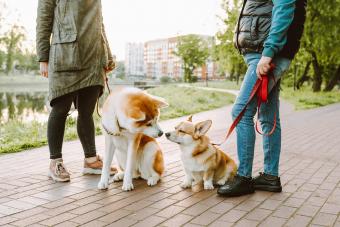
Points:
(110, 66)
(263, 67)
(44, 69)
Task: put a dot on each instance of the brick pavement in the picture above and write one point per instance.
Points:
(310, 173)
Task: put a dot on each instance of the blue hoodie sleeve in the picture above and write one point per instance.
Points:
(282, 17)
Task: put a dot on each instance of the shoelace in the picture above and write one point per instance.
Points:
(60, 168)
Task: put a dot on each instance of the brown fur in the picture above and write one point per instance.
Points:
(142, 103)
(158, 164)
(213, 158)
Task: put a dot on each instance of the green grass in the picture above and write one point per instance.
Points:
(16, 136)
(184, 101)
(224, 84)
(302, 99)
(305, 98)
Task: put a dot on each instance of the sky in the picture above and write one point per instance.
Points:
(134, 20)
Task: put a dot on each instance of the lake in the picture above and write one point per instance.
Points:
(24, 106)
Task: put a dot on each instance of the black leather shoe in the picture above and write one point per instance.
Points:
(266, 182)
(237, 187)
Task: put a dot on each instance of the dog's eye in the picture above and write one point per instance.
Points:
(149, 124)
(181, 131)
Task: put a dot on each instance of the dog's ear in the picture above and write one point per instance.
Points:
(136, 114)
(202, 128)
(189, 118)
(160, 102)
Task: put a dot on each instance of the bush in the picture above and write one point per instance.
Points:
(194, 79)
(165, 79)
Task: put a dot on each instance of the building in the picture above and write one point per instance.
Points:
(160, 60)
(134, 60)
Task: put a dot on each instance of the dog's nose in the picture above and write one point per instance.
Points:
(160, 133)
(167, 134)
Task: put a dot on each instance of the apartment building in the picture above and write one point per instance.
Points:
(160, 60)
(134, 60)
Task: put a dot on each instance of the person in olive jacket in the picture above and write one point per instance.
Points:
(268, 31)
(75, 56)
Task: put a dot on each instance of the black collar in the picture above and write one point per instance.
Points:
(112, 133)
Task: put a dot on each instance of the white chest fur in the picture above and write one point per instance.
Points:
(192, 163)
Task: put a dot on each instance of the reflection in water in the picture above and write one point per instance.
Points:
(23, 106)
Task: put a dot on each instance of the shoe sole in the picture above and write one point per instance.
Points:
(268, 188)
(235, 194)
(57, 179)
(91, 171)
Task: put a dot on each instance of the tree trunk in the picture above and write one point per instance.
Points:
(317, 79)
(333, 81)
(304, 76)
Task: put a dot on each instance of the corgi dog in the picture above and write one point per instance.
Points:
(202, 161)
(130, 124)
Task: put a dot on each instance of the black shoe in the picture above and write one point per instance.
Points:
(266, 182)
(237, 187)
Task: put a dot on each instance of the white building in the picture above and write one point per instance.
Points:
(134, 60)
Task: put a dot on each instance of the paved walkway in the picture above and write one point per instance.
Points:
(310, 173)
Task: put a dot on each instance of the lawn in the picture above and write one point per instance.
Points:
(305, 98)
(17, 136)
(302, 99)
(225, 84)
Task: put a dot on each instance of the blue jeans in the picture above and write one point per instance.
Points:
(245, 129)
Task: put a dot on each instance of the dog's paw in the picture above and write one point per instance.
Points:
(103, 184)
(221, 182)
(127, 186)
(118, 177)
(153, 181)
(186, 184)
(208, 186)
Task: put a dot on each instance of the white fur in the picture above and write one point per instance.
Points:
(130, 161)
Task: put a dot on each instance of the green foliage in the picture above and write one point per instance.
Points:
(120, 70)
(305, 98)
(320, 46)
(194, 52)
(230, 62)
(184, 101)
(165, 79)
(194, 79)
(17, 136)
(12, 41)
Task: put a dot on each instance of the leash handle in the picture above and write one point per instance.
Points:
(261, 90)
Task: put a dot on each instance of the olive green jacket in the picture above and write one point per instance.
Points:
(71, 38)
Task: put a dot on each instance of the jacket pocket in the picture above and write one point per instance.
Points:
(66, 53)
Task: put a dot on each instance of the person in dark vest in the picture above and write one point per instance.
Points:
(268, 32)
(74, 55)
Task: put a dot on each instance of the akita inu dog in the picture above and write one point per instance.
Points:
(130, 123)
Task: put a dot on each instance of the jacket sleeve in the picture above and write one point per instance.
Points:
(44, 28)
(282, 17)
(107, 46)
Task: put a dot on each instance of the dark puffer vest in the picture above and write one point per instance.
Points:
(254, 24)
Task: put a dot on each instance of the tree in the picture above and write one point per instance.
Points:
(320, 41)
(194, 52)
(12, 41)
(120, 70)
(230, 61)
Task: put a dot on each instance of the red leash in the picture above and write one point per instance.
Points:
(261, 90)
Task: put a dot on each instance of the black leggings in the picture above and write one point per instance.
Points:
(86, 99)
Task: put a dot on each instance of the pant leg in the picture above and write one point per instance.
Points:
(86, 103)
(272, 143)
(245, 132)
(56, 124)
